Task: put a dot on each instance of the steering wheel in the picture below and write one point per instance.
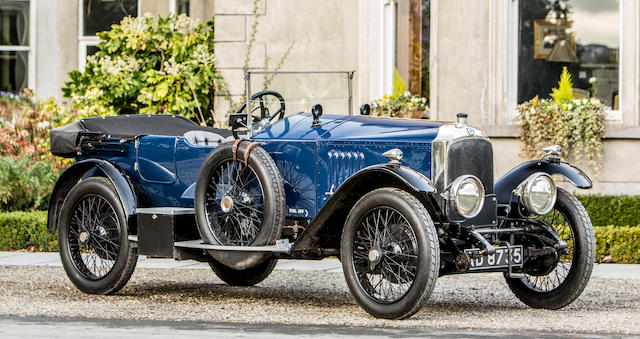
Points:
(264, 118)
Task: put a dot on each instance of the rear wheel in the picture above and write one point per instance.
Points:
(390, 253)
(243, 276)
(556, 280)
(93, 239)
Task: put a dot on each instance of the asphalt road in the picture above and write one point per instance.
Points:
(54, 328)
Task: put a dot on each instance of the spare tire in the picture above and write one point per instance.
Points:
(239, 201)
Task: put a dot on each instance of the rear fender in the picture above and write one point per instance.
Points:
(330, 219)
(506, 184)
(73, 174)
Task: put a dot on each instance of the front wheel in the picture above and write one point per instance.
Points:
(556, 280)
(93, 239)
(390, 254)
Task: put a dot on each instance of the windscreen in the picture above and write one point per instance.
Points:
(298, 91)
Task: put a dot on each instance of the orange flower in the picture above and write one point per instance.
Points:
(534, 101)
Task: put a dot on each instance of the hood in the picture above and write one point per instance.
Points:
(351, 128)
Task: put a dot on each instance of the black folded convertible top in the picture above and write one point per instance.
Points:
(65, 140)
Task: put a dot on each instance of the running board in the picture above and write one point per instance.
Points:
(165, 210)
(281, 246)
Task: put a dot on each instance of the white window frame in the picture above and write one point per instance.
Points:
(85, 41)
(31, 48)
(383, 47)
(613, 116)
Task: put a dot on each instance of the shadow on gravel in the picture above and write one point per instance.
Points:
(223, 293)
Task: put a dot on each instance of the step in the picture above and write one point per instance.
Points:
(281, 246)
(165, 210)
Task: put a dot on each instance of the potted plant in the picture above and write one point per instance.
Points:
(401, 103)
(578, 125)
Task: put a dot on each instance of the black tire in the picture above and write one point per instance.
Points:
(243, 276)
(410, 244)
(582, 248)
(256, 203)
(104, 242)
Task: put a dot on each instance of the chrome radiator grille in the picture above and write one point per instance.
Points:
(471, 156)
(458, 151)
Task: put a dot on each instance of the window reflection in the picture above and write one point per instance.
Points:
(583, 35)
(99, 15)
(182, 7)
(14, 38)
(14, 23)
(13, 71)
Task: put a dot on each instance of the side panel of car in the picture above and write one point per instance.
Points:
(297, 164)
(339, 160)
(325, 229)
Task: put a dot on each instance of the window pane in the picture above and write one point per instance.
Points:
(183, 7)
(91, 50)
(99, 15)
(583, 35)
(13, 71)
(14, 23)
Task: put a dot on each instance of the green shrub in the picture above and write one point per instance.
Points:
(26, 182)
(149, 65)
(621, 243)
(20, 230)
(612, 210)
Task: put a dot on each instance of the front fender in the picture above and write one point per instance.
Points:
(507, 183)
(336, 209)
(73, 174)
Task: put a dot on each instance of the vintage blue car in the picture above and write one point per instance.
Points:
(399, 201)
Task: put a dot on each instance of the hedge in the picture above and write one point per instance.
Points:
(621, 243)
(21, 230)
(612, 210)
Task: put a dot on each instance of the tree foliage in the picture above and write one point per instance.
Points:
(149, 65)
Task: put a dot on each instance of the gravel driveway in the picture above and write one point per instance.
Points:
(315, 298)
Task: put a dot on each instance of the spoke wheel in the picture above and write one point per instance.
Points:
(239, 204)
(554, 281)
(234, 204)
(92, 238)
(385, 254)
(552, 270)
(390, 254)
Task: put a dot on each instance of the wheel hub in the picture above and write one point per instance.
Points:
(83, 237)
(226, 204)
(374, 256)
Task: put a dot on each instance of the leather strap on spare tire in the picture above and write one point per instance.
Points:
(239, 201)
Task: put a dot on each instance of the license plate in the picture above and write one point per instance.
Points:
(501, 258)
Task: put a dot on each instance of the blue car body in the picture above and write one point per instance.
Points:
(313, 162)
(326, 163)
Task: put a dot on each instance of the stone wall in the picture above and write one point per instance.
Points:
(320, 37)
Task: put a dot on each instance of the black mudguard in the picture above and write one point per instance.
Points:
(506, 184)
(338, 206)
(73, 174)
